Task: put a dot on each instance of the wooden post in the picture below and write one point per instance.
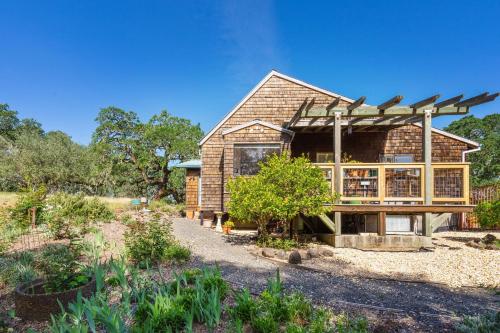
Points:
(337, 135)
(33, 217)
(381, 224)
(427, 154)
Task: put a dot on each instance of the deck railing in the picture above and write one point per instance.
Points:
(400, 182)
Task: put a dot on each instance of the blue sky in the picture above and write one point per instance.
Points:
(61, 61)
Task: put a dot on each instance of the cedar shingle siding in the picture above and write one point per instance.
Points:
(276, 102)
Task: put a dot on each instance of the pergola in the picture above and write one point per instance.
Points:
(364, 117)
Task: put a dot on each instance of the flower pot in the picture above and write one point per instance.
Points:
(32, 303)
(226, 230)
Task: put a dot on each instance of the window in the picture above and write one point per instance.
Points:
(324, 157)
(396, 158)
(247, 157)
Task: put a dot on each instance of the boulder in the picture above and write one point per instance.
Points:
(326, 252)
(489, 239)
(313, 252)
(295, 258)
(267, 252)
(304, 254)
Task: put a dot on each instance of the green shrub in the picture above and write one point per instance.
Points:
(283, 189)
(177, 253)
(60, 267)
(70, 215)
(487, 323)
(488, 214)
(148, 242)
(18, 268)
(278, 243)
(26, 201)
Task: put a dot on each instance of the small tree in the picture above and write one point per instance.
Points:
(283, 189)
(488, 214)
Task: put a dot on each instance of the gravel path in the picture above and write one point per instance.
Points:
(425, 306)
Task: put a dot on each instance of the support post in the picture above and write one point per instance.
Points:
(337, 135)
(427, 154)
(381, 224)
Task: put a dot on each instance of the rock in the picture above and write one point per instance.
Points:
(472, 244)
(304, 254)
(295, 258)
(281, 254)
(326, 253)
(489, 239)
(267, 252)
(313, 252)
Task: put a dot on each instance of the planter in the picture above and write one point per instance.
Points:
(32, 303)
(226, 230)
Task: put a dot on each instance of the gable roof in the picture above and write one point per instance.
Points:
(257, 87)
(257, 122)
(453, 136)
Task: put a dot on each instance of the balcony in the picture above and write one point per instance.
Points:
(402, 183)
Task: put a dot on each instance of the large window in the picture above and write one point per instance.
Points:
(396, 158)
(247, 157)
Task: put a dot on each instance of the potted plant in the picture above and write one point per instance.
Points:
(227, 227)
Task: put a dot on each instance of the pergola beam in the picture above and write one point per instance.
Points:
(424, 102)
(393, 101)
(473, 100)
(297, 114)
(357, 103)
(449, 101)
(374, 111)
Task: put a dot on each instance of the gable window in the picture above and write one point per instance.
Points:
(247, 157)
(396, 158)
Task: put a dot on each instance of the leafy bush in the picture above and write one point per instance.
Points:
(148, 242)
(70, 215)
(283, 189)
(177, 253)
(488, 214)
(278, 243)
(480, 324)
(26, 201)
(61, 269)
(18, 268)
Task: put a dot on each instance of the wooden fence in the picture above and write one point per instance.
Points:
(488, 193)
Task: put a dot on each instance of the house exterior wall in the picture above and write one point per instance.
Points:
(367, 146)
(276, 101)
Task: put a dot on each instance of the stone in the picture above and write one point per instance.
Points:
(313, 252)
(295, 258)
(281, 254)
(304, 254)
(267, 252)
(489, 239)
(326, 253)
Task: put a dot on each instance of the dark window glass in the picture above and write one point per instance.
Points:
(247, 157)
(396, 158)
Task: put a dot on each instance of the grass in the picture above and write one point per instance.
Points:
(7, 199)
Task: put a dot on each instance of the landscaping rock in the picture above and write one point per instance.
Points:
(489, 239)
(268, 253)
(304, 254)
(295, 258)
(281, 254)
(313, 252)
(326, 252)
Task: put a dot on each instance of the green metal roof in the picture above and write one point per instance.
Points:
(191, 164)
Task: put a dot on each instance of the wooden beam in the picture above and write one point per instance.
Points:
(449, 101)
(333, 104)
(424, 102)
(297, 114)
(486, 99)
(310, 105)
(381, 228)
(393, 101)
(357, 103)
(427, 156)
(337, 147)
(411, 209)
(373, 111)
(473, 100)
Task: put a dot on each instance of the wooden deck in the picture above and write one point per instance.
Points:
(407, 209)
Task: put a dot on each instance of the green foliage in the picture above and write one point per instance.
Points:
(148, 242)
(177, 253)
(60, 266)
(278, 243)
(17, 268)
(283, 189)
(485, 164)
(488, 214)
(68, 215)
(150, 147)
(487, 323)
(26, 201)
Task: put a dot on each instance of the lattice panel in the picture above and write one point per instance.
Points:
(359, 182)
(403, 183)
(448, 183)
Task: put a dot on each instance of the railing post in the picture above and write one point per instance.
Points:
(427, 154)
(337, 135)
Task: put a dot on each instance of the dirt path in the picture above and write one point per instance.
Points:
(423, 306)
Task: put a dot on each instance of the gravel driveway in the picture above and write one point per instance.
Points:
(423, 306)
